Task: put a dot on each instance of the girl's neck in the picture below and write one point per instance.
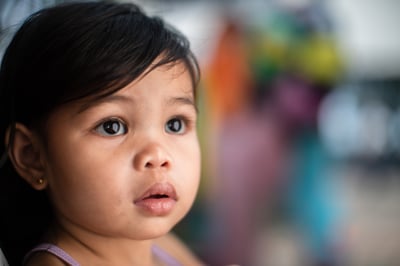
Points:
(93, 249)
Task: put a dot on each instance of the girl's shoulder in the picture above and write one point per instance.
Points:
(177, 249)
(44, 259)
(170, 243)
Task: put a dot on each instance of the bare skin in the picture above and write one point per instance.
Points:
(125, 173)
(170, 243)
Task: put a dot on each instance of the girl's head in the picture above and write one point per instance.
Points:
(71, 51)
(84, 90)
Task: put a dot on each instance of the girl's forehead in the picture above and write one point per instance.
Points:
(165, 82)
(169, 73)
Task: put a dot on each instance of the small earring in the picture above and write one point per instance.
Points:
(40, 180)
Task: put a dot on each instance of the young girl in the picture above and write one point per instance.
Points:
(98, 124)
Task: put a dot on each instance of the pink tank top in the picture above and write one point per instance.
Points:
(65, 257)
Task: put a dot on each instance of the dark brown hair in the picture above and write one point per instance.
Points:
(61, 54)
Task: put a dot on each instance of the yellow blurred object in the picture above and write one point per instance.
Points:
(317, 58)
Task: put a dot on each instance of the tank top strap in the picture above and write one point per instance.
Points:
(65, 257)
(164, 256)
(53, 249)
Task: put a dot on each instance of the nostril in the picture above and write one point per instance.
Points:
(151, 157)
(149, 165)
(152, 164)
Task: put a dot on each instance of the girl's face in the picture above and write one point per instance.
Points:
(128, 165)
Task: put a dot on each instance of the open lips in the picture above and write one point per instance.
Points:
(158, 200)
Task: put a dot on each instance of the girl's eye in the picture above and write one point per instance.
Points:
(111, 127)
(175, 125)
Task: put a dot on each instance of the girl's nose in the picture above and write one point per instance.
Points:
(152, 156)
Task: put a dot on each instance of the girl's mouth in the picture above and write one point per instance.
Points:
(158, 200)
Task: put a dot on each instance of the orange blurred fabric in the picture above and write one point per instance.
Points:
(228, 77)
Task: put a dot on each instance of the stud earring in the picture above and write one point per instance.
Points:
(40, 180)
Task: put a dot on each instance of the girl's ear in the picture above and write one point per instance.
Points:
(25, 155)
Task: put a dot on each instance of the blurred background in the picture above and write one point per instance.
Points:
(299, 125)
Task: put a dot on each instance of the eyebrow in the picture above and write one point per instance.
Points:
(120, 98)
(182, 101)
(109, 98)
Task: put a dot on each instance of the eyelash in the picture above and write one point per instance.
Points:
(184, 126)
(116, 125)
(100, 129)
